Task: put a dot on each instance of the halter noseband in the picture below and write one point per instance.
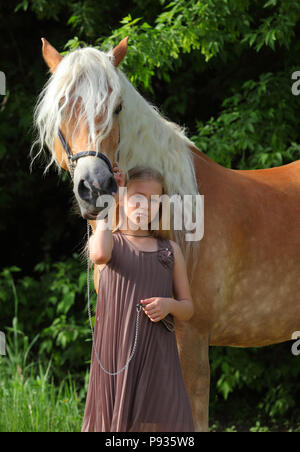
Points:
(77, 156)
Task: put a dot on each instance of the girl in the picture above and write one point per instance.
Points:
(140, 271)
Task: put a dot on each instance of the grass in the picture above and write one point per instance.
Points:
(31, 403)
(29, 399)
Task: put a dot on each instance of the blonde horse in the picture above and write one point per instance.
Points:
(244, 272)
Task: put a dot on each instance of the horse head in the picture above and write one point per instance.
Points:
(78, 112)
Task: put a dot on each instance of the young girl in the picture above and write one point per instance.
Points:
(139, 269)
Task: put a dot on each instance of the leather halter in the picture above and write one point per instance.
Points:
(72, 158)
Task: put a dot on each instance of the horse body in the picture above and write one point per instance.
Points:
(244, 282)
(248, 269)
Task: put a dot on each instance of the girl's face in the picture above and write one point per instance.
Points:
(140, 206)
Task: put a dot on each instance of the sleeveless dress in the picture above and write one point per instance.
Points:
(150, 394)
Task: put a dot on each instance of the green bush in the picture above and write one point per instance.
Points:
(51, 308)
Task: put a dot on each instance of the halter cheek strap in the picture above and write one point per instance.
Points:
(72, 158)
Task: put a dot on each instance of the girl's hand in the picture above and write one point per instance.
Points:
(156, 308)
(118, 175)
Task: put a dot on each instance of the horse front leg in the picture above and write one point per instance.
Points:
(193, 351)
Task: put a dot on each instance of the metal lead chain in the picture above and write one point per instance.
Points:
(138, 308)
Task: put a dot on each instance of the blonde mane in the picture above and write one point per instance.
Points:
(146, 137)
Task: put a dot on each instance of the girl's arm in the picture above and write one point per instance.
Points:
(101, 243)
(182, 307)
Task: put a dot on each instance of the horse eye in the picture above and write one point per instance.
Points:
(118, 109)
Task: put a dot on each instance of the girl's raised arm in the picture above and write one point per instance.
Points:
(101, 243)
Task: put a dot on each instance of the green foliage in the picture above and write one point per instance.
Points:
(278, 27)
(259, 428)
(52, 307)
(183, 27)
(269, 374)
(257, 127)
(210, 26)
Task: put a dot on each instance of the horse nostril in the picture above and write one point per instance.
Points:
(88, 192)
(83, 190)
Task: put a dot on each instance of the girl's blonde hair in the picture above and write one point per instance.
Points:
(143, 172)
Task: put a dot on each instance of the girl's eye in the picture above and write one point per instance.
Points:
(118, 109)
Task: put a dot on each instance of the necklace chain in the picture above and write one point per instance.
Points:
(134, 235)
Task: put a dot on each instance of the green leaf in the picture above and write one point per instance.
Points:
(270, 3)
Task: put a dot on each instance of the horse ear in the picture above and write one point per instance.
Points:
(120, 51)
(50, 55)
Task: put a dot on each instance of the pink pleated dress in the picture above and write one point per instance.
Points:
(150, 394)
